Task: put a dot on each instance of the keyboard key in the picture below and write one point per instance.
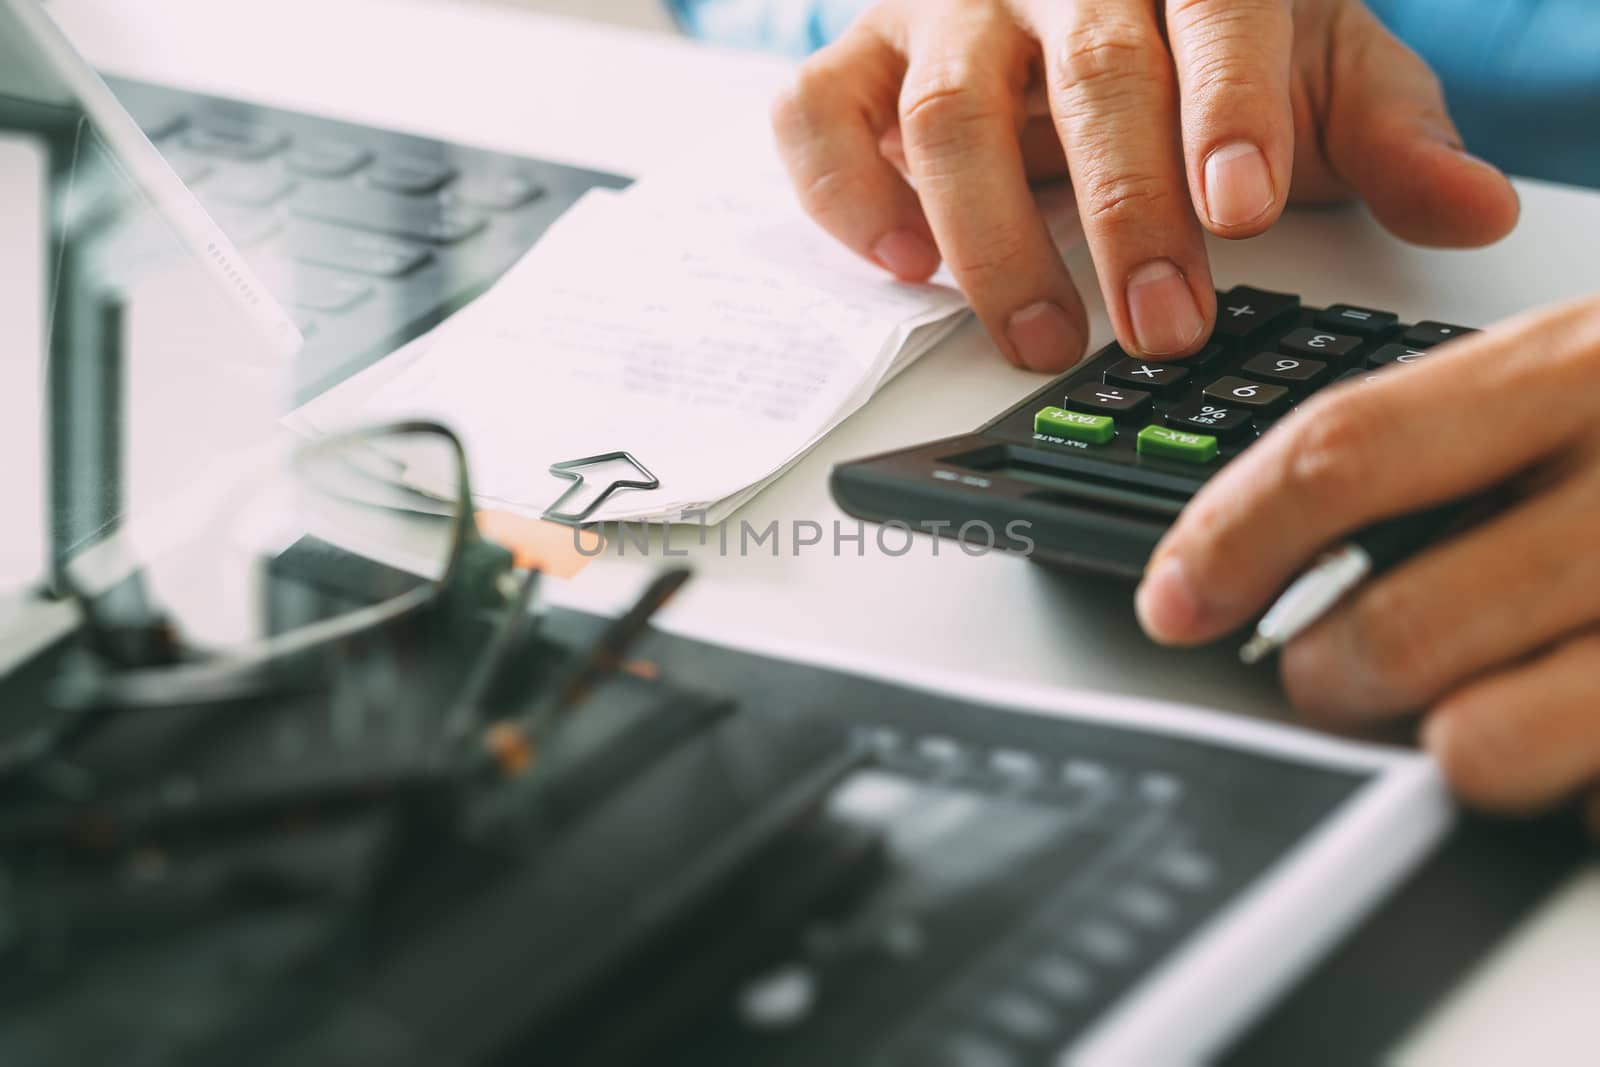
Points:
(1154, 377)
(1104, 941)
(1225, 422)
(413, 175)
(327, 159)
(1145, 906)
(360, 253)
(246, 225)
(1363, 374)
(233, 140)
(1205, 356)
(1254, 397)
(1364, 322)
(1176, 444)
(326, 292)
(971, 1050)
(247, 187)
(1075, 425)
(191, 171)
(1123, 405)
(1243, 311)
(1293, 372)
(1395, 354)
(1428, 334)
(503, 192)
(1186, 868)
(159, 129)
(1062, 979)
(396, 216)
(1318, 344)
(1020, 1016)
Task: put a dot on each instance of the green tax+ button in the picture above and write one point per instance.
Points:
(1175, 444)
(1075, 425)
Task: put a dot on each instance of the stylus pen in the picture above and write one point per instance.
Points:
(1341, 569)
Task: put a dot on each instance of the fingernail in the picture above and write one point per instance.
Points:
(1166, 319)
(1238, 185)
(1166, 603)
(1043, 336)
(906, 254)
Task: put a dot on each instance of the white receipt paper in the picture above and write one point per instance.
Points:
(709, 329)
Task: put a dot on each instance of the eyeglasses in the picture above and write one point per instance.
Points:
(250, 582)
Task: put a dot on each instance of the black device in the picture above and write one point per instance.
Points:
(941, 880)
(1093, 467)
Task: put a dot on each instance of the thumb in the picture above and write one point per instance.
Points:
(1390, 136)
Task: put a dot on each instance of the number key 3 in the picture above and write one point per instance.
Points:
(1318, 344)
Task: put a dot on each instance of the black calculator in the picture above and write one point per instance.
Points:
(1089, 471)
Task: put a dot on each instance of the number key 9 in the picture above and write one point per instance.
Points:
(1296, 372)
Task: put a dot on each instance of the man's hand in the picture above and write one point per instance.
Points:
(1168, 116)
(1493, 633)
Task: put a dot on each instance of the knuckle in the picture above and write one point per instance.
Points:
(1100, 51)
(941, 104)
(1395, 638)
(1187, 11)
(1326, 460)
(1216, 538)
(1475, 753)
(786, 115)
(1116, 200)
(795, 110)
(1220, 73)
(992, 254)
(825, 193)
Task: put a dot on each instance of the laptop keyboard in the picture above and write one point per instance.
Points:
(368, 237)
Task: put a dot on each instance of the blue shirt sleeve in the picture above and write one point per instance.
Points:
(1522, 76)
(793, 27)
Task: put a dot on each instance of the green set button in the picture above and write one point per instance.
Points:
(1175, 444)
(1075, 425)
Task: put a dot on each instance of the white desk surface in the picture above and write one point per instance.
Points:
(619, 101)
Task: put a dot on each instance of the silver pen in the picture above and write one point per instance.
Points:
(1336, 572)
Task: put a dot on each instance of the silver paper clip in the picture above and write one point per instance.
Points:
(572, 470)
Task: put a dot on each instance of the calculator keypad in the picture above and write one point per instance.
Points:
(1266, 355)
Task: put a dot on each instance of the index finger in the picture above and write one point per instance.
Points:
(1464, 419)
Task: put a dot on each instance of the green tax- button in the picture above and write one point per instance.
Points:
(1175, 444)
(1075, 425)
